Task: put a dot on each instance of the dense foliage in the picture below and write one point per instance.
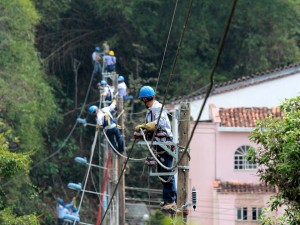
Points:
(45, 71)
(278, 157)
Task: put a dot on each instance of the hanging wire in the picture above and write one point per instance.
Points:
(166, 45)
(174, 65)
(211, 77)
(89, 168)
(122, 172)
(117, 152)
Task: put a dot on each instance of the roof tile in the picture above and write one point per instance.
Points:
(241, 187)
(246, 117)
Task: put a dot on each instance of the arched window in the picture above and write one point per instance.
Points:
(240, 160)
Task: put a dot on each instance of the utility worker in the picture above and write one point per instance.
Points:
(96, 60)
(105, 90)
(62, 210)
(147, 95)
(122, 87)
(105, 47)
(104, 119)
(110, 61)
(76, 215)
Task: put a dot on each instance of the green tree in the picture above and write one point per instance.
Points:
(12, 165)
(278, 157)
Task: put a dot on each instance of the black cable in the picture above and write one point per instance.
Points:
(174, 65)
(122, 172)
(166, 45)
(220, 49)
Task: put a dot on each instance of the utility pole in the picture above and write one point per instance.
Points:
(115, 170)
(120, 105)
(183, 166)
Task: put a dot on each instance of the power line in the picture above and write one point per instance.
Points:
(167, 42)
(211, 77)
(122, 172)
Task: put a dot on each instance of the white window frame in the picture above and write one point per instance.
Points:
(240, 161)
(242, 214)
(257, 211)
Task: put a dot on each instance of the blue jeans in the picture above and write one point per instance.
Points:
(169, 188)
(97, 68)
(110, 68)
(114, 135)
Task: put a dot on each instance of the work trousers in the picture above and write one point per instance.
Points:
(169, 187)
(60, 221)
(110, 68)
(114, 136)
(97, 67)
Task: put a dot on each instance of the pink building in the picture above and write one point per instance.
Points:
(228, 189)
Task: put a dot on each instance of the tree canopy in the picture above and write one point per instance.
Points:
(278, 157)
(42, 42)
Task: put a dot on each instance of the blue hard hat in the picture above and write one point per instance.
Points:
(97, 48)
(146, 91)
(103, 82)
(121, 78)
(60, 201)
(92, 109)
(75, 209)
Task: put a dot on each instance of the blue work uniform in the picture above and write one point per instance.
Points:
(61, 211)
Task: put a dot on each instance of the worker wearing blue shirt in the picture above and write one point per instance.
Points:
(62, 210)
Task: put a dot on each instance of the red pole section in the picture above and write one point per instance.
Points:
(103, 188)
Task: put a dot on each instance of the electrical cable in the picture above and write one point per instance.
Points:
(89, 168)
(174, 63)
(166, 45)
(152, 153)
(122, 172)
(117, 152)
(220, 49)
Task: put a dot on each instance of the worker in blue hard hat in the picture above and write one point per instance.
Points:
(105, 120)
(96, 57)
(62, 210)
(105, 90)
(162, 128)
(122, 87)
(74, 212)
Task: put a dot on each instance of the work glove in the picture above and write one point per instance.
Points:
(150, 126)
(138, 127)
